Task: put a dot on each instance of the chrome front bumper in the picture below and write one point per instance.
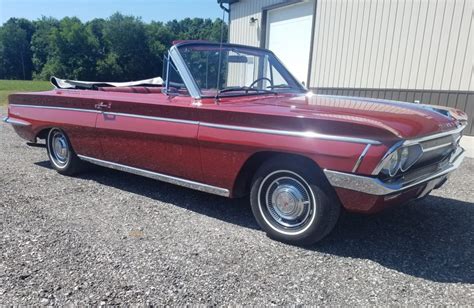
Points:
(374, 186)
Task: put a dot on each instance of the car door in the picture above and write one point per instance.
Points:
(152, 132)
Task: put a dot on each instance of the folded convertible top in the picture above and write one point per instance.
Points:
(93, 85)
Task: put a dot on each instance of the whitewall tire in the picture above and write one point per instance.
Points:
(292, 202)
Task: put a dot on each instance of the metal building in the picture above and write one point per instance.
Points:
(408, 50)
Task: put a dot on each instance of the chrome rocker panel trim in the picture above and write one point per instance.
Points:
(375, 186)
(15, 122)
(159, 176)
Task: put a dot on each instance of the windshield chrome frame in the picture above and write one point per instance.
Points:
(183, 71)
(188, 79)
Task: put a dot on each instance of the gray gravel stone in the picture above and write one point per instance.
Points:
(106, 238)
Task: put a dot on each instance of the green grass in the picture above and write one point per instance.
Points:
(8, 87)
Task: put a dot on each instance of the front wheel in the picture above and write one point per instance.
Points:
(292, 203)
(61, 154)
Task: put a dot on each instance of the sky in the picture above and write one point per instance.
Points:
(158, 10)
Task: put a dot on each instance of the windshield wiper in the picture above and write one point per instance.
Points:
(230, 89)
(246, 89)
(280, 86)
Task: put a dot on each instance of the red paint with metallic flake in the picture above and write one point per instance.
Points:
(175, 140)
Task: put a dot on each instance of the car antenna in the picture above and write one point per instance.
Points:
(220, 55)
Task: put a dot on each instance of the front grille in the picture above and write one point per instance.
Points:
(436, 150)
(436, 154)
(439, 142)
(416, 173)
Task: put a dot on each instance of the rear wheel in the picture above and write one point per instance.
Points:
(292, 202)
(61, 154)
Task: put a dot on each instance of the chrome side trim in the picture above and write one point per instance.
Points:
(15, 122)
(55, 108)
(112, 113)
(437, 147)
(361, 157)
(184, 72)
(159, 176)
(152, 118)
(374, 186)
(307, 134)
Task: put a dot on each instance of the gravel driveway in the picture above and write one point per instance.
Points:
(107, 237)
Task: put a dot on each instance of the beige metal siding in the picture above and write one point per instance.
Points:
(241, 30)
(386, 44)
(409, 50)
(394, 44)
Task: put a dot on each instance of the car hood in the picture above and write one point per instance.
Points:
(400, 119)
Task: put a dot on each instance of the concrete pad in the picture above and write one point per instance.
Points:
(467, 142)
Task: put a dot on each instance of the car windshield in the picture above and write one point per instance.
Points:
(233, 70)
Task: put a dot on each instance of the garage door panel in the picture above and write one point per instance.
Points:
(289, 36)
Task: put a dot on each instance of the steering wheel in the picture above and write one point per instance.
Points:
(260, 79)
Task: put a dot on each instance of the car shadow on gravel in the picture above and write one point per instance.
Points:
(235, 211)
(432, 238)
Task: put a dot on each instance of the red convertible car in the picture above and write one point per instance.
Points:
(231, 120)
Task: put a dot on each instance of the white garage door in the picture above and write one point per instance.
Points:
(289, 36)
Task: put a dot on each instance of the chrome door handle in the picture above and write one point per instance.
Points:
(102, 106)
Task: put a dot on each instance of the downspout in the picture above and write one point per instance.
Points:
(228, 24)
(227, 10)
(221, 4)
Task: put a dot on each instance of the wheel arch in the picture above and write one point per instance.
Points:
(43, 133)
(243, 181)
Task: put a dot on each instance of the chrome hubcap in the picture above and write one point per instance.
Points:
(59, 148)
(288, 202)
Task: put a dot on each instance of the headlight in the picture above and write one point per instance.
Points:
(409, 156)
(404, 154)
(401, 159)
(391, 164)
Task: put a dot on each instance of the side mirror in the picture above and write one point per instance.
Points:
(237, 59)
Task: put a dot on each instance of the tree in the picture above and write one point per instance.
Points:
(73, 51)
(41, 43)
(118, 48)
(198, 29)
(159, 39)
(15, 37)
(127, 45)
